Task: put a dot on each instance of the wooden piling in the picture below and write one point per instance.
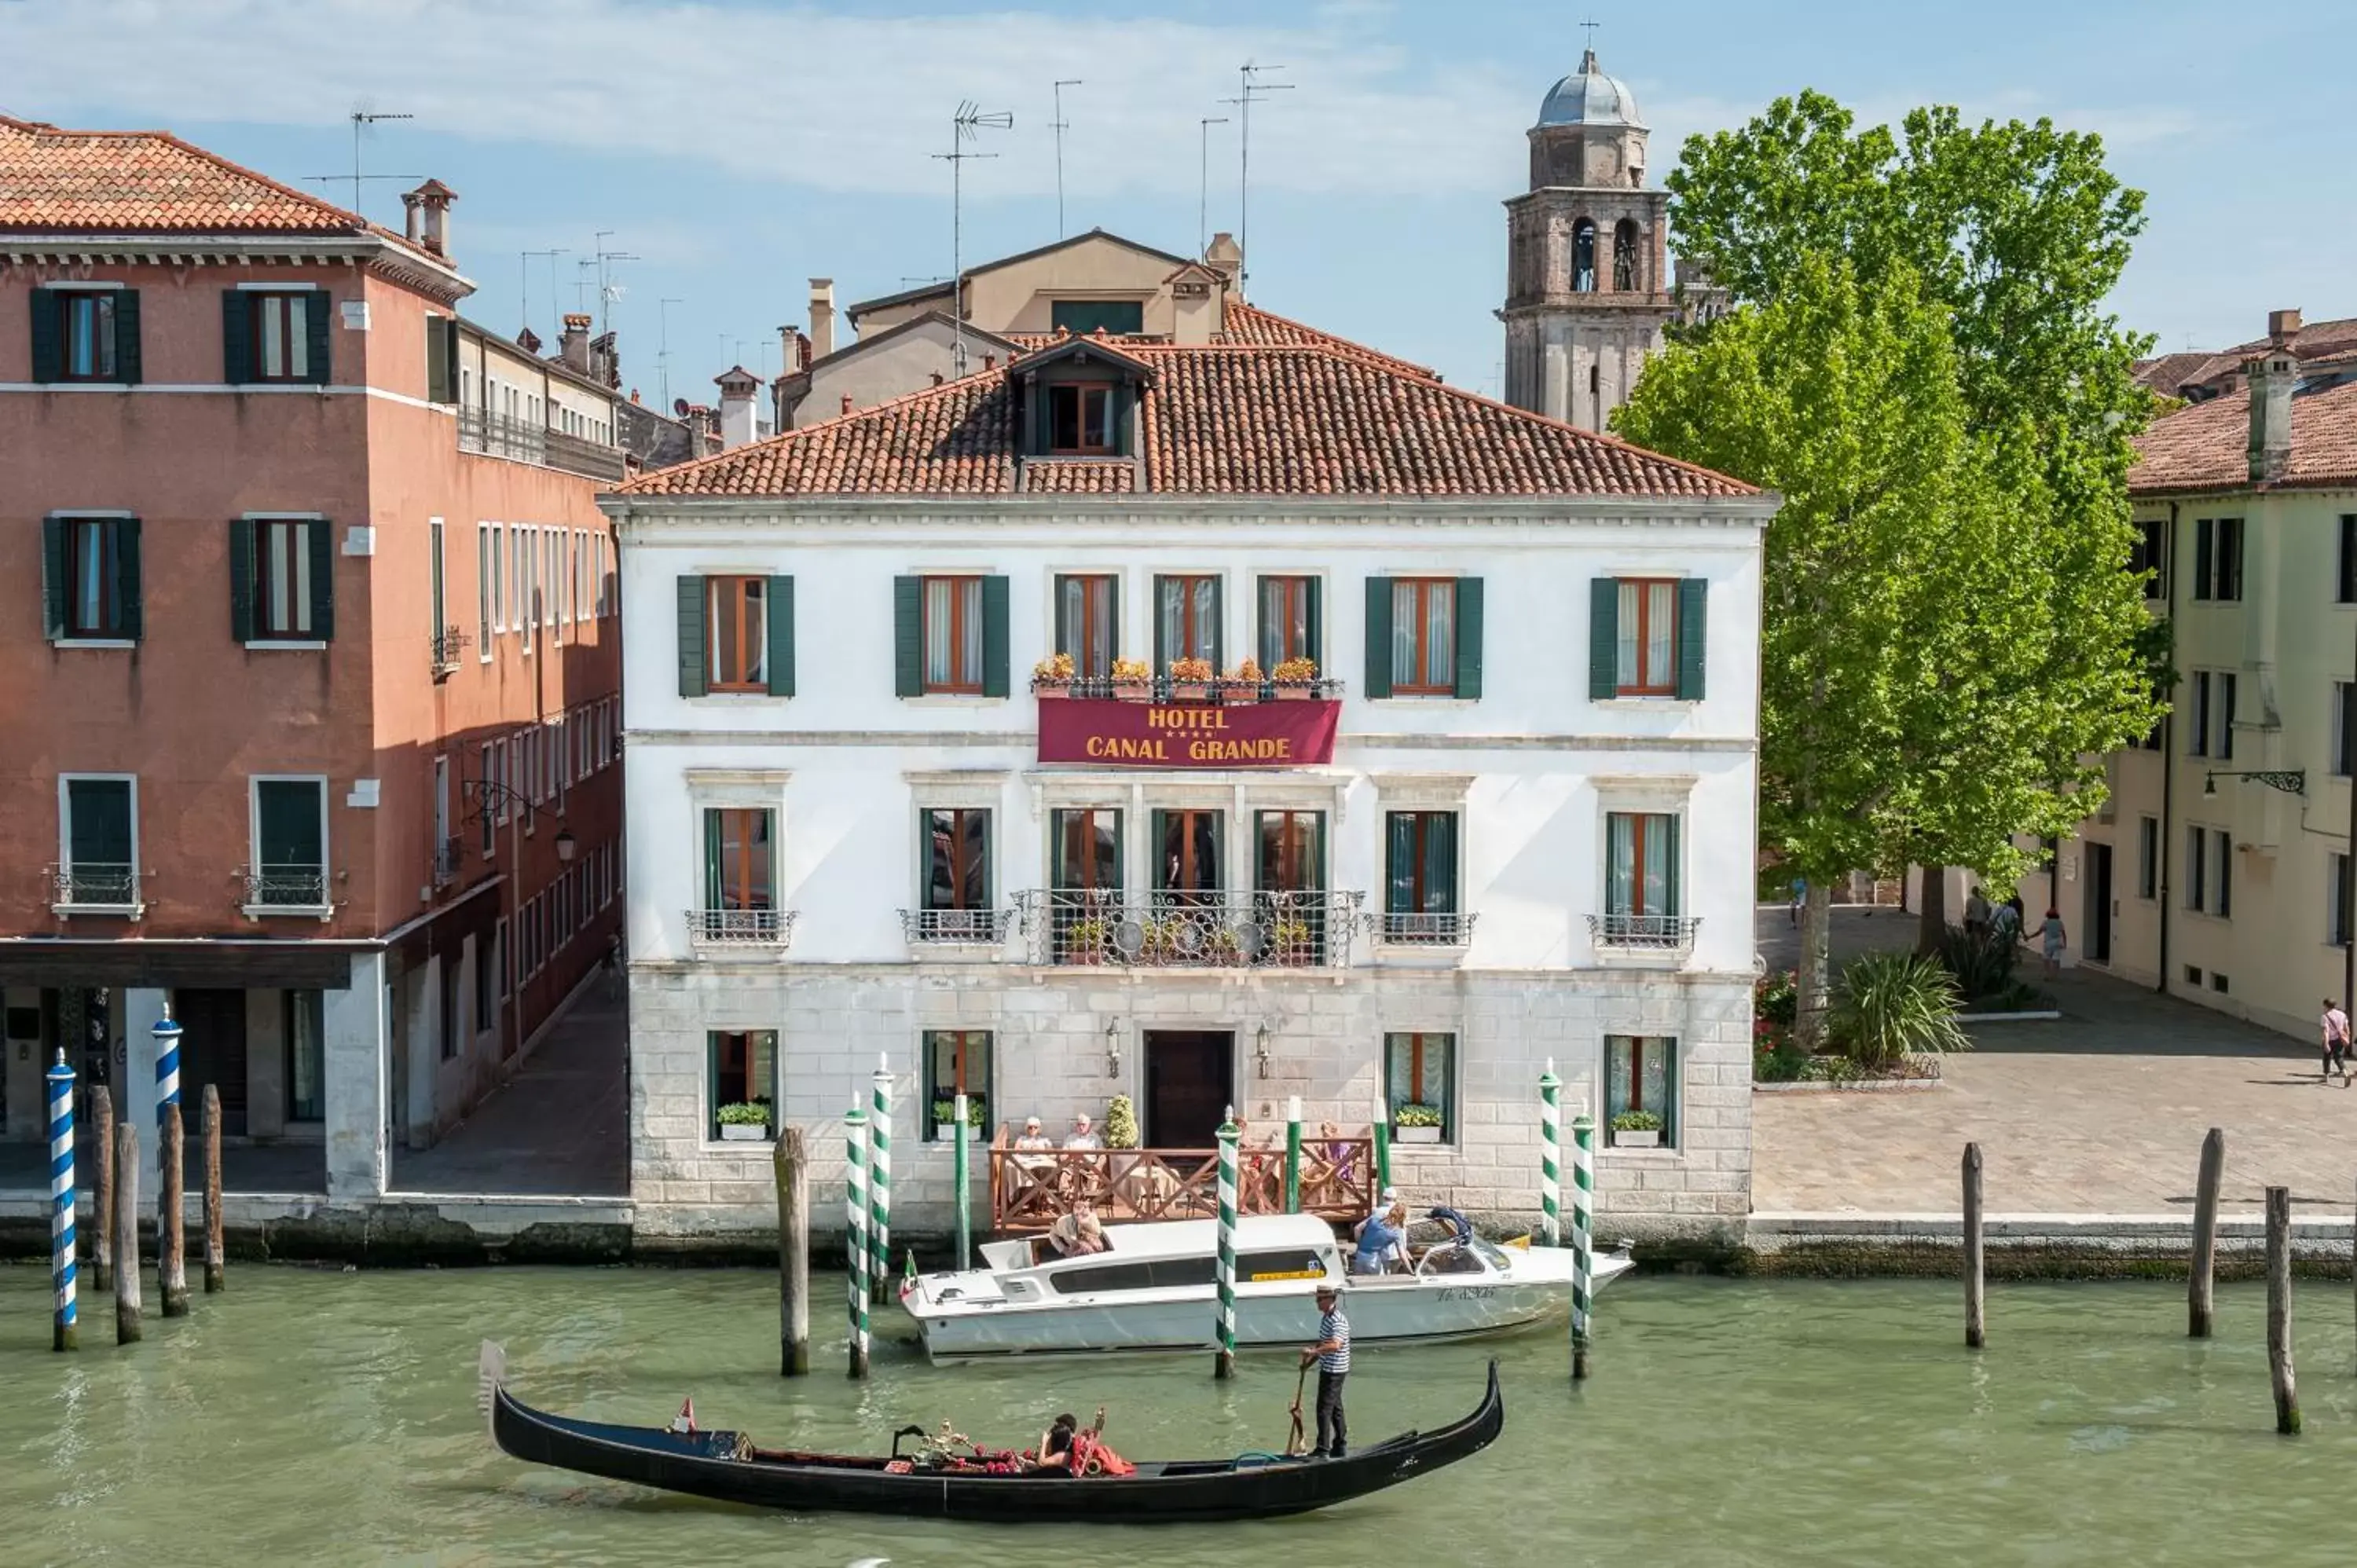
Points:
(1975, 1327)
(2279, 1369)
(171, 1225)
(102, 1218)
(792, 1160)
(2197, 1287)
(126, 1232)
(216, 1257)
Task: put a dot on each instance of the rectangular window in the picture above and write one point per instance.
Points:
(957, 1062)
(100, 843)
(744, 1064)
(2198, 732)
(484, 589)
(1085, 623)
(1420, 878)
(2228, 580)
(1424, 637)
(1079, 419)
(1641, 890)
(2148, 857)
(2147, 556)
(486, 988)
(1187, 620)
(1289, 851)
(1647, 656)
(2337, 889)
(283, 587)
(2222, 891)
(86, 323)
(1288, 622)
(2344, 726)
(1087, 850)
(1642, 1082)
(1187, 862)
(736, 611)
(2196, 867)
(2205, 553)
(2345, 579)
(281, 336)
(435, 586)
(957, 859)
(306, 1056)
(741, 871)
(2217, 982)
(1081, 316)
(953, 634)
(2224, 688)
(99, 575)
(1418, 1070)
(290, 843)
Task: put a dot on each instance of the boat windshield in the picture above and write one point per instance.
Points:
(1164, 1273)
(1470, 1256)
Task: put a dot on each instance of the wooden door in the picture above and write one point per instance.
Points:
(1189, 1084)
(212, 1050)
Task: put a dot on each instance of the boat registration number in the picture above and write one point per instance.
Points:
(1469, 1292)
(1291, 1274)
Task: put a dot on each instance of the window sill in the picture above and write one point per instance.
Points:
(93, 642)
(1421, 700)
(322, 913)
(1644, 700)
(1612, 957)
(75, 383)
(108, 911)
(738, 694)
(764, 1147)
(954, 700)
(1444, 952)
(1659, 1154)
(283, 645)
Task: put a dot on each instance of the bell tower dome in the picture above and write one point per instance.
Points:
(1588, 285)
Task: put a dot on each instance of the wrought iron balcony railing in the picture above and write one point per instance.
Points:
(525, 441)
(447, 856)
(1644, 933)
(1219, 689)
(445, 646)
(93, 887)
(742, 928)
(291, 889)
(1189, 930)
(979, 927)
(1435, 929)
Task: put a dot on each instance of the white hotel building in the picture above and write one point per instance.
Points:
(852, 832)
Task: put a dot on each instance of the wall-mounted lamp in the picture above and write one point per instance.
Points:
(1112, 1048)
(2294, 782)
(1259, 1049)
(566, 846)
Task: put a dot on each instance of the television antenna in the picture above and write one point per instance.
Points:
(969, 119)
(662, 356)
(1251, 91)
(1203, 191)
(555, 305)
(362, 119)
(608, 290)
(1059, 125)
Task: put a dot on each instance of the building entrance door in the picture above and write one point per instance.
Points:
(2099, 903)
(1189, 1084)
(212, 1050)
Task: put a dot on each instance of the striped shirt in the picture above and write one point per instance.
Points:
(1333, 1326)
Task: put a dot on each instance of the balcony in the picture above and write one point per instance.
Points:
(1666, 934)
(973, 928)
(96, 889)
(521, 441)
(1189, 930)
(1222, 691)
(1429, 929)
(746, 929)
(449, 855)
(443, 647)
(287, 890)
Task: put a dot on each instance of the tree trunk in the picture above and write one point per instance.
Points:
(1817, 939)
(1933, 922)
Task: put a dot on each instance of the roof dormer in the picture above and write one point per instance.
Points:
(1079, 401)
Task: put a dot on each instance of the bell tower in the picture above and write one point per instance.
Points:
(1587, 284)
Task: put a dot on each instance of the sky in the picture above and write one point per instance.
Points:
(730, 150)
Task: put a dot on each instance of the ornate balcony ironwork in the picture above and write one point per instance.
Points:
(1219, 690)
(1431, 929)
(288, 889)
(980, 927)
(93, 888)
(447, 856)
(1189, 930)
(445, 647)
(742, 928)
(1644, 933)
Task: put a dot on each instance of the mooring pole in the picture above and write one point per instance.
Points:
(172, 1237)
(791, 1161)
(66, 1332)
(2201, 1275)
(880, 1181)
(855, 1239)
(126, 1232)
(1975, 1327)
(1550, 1156)
(1293, 1155)
(102, 1218)
(1582, 1241)
(216, 1275)
(2279, 1369)
(168, 1063)
(1224, 1364)
(1381, 1129)
(963, 1181)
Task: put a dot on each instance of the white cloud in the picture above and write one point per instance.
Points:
(803, 96)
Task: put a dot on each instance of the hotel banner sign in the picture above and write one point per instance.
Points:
(1111, 733)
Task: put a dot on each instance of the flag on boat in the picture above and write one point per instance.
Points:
(685, 1421)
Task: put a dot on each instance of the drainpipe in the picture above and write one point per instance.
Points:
(2168, 755)
(2349, 952)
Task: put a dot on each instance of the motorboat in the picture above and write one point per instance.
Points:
(1154, 1288)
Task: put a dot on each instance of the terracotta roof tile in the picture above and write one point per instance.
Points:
(1081, 476)
(954, 439)
(2207, 446)
(1249, 323)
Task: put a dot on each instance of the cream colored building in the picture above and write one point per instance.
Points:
(2218, 870)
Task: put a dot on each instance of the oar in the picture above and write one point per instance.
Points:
(1294, 1446)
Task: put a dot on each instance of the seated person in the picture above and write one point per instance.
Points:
(1382, 1241)
(1083, 1135)
(1031, 1144)
(1056, 1442)
(1078, 1232)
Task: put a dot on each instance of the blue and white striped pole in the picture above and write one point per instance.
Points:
(167, 1065)
(60, 1079)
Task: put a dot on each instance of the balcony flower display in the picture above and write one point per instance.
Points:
(746, 1120)
(1190, 678)
(1055, 670)
(1414, 1122)
(1636, 1130)
(1132, 673)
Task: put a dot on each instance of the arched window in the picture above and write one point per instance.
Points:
(1624, 256)
(1583, 256)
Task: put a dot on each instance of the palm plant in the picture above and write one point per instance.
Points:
(1894, 1004)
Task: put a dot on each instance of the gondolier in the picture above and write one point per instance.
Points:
(1333, 1354)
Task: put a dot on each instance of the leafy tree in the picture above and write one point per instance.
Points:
(2020, 232)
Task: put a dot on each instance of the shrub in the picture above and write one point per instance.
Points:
(1894, 1004)
(1777, 1058)
(1415, 1115)
(1982, 962)
(1776, 998)
(1121, 1123)
(744, 1114)
(977, 1112)
(1636, 1122)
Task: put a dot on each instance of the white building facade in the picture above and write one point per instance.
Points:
(1511, 825)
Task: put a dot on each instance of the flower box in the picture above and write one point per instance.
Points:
(1634, 1140)
(1415, 1134)
(743, 1132)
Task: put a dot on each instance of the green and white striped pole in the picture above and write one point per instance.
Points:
(880, 1181)
(1550, 1156)
(1583, 1245)
(1293, 1155)
(854, 1241)
(1224, 1366)
(1381, 1129)
(964, 1184)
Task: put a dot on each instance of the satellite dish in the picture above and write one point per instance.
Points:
(678, 406)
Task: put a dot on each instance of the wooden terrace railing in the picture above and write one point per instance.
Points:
(1031, 1189)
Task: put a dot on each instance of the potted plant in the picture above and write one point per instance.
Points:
(1636, 1130)
(1121, 1123)
(1295, 942)
(1293, 678)
(1245, 681)
(1132, 678)
(1415, 1124)
(746, 1122)
(977, 1116)
(1190, 678)
(1052, 673)
(1084, 940)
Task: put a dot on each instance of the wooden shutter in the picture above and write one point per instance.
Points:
(287, 812)
(1468, 637)
(319, 535)
(1693, 600)
(1674, 878)
(1379, 637)
(54, 586)
(440, 377)
(781, 637)
(1399, 864)
(127, 335)
(241, 578)
(907, 637)
(695, 679)
(1603, 638)
(126, 578)
(237, 339)
(1313, 590)
(2204, 540)
(712, 889)
(995, 654)
(48, 336)
(318, 308)
(1218, 626)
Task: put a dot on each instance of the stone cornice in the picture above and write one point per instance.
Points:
(395, 263)
(733, 515)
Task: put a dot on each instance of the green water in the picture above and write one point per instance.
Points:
(329, 1418)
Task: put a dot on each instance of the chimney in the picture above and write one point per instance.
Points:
(737, 388)
(1223, 256)
(789, 349)
(573, 346)
(822, 317)
(2272, 375)
(847, 403)
(2283, 326)
(426, 216)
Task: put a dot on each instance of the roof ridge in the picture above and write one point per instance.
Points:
(783, 437)
(1334, 338)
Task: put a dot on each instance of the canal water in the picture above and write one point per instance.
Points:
(318, 1417)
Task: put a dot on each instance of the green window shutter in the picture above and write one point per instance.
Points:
(48, 336)
(781, 637)
(1314, 589)
(127, 335)
(907, 637)
(127, 581)
(694, 679)
(995, 653)
(315, 322)
(1674, 902)
(237, 339)
(1603, 637)
(241, 578)
(287, 812)
(1441, 862)
(1379, 637)
(98, 824)
(1694, 601)
(320, 535)
(1218, 626)
(1468, 637)
(711, 857)
(437, 361)
(1399, 864)
(54, 586)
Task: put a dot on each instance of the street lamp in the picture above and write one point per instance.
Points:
(2292, 782)
(566, 846)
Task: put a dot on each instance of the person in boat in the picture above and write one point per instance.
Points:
(1454, 1255)
(1382, 1242)
(1056, 1442)
(1332, 1356)
(1078, 1232)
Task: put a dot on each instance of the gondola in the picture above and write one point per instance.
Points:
(727, 1466)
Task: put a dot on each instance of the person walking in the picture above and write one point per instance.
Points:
(1800, 894)
(2336, 1043)
(1333, 1354)
(2051, 940)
